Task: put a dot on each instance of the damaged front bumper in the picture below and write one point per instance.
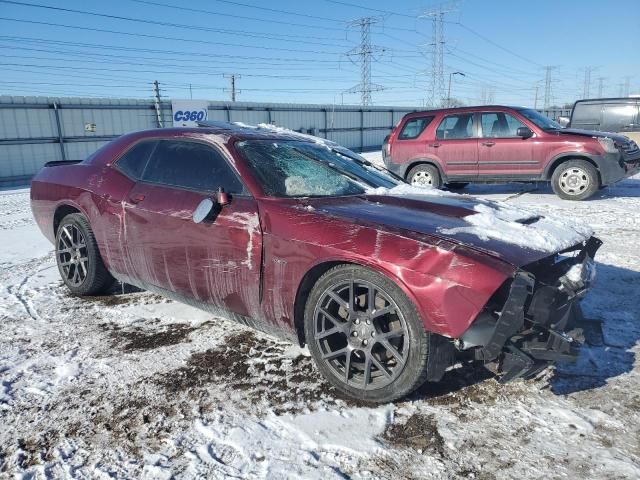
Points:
(529, 324)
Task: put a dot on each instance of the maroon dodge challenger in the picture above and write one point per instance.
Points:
(388, 285)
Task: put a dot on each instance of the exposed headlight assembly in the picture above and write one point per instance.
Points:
(607, 144)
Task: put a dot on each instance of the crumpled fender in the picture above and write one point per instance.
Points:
(448, 283)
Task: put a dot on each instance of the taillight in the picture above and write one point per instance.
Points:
(386, 147)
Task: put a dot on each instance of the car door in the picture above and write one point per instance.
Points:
(502, 153)
(456, 146)
(117, 181)
(218, 261)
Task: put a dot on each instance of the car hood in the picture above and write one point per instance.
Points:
(514, 235)
(592, 133)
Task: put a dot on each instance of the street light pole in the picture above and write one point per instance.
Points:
(449, 91)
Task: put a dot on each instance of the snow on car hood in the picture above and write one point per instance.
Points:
(517, 235)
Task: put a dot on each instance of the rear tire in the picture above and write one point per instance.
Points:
(424, 175)
(79, 262)
(365, 335)
(575, 180)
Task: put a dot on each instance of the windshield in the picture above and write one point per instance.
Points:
(540, 120)
(302, 169)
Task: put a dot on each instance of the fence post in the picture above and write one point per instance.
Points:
(326, 123)
(59, 126)
(361, 129)
(269, 115)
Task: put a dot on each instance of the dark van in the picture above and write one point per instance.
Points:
(617, 115)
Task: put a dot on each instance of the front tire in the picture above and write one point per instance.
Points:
(78, 258)
(424, 175)
(365, 335)
(575, 180)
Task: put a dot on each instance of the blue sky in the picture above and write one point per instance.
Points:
(291, 51)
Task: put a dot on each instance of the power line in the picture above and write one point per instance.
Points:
(495, 44)
(240, 17)
(176, 52)
(388, 12)
(164, 24)
(165, 37)
(275, 10)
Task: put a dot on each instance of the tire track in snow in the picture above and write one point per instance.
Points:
(18, 290)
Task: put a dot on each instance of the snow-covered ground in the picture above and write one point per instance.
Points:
(132, 385)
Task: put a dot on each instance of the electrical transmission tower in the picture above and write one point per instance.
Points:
(627, 84)
(437, 92)
(600, 86)
(547, 86)
(586, 92)
(364, 53)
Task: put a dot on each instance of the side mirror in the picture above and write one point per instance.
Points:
(563, 121)
(203, 210)
(524, 132)
(222, 197)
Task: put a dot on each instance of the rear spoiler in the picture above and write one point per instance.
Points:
(57, 163)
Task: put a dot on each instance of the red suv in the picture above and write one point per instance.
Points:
(455, 146)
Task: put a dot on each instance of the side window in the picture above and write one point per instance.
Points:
(618, 117)
(191, 165)
(455, 126)
(499, 125)
(414, 127)
(587, 116)
(132, 163)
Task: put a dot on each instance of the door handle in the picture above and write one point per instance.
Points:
(434, 145)
(488, 144)
(137, 198)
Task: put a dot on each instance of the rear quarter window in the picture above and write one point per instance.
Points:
(132, 163)
(414, 127)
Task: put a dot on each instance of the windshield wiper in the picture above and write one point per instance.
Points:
(367, 163)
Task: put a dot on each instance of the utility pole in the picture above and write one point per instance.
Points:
(156, 96)
(547, 86)
(600, 86)
(232, 82)
(190, 92)
(621, 89)
(437, 15)
(449, 89)
(535, 101)
(364, 53)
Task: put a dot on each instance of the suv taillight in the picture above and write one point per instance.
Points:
(386, 146)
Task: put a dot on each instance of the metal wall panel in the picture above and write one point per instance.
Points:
(30, 136)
